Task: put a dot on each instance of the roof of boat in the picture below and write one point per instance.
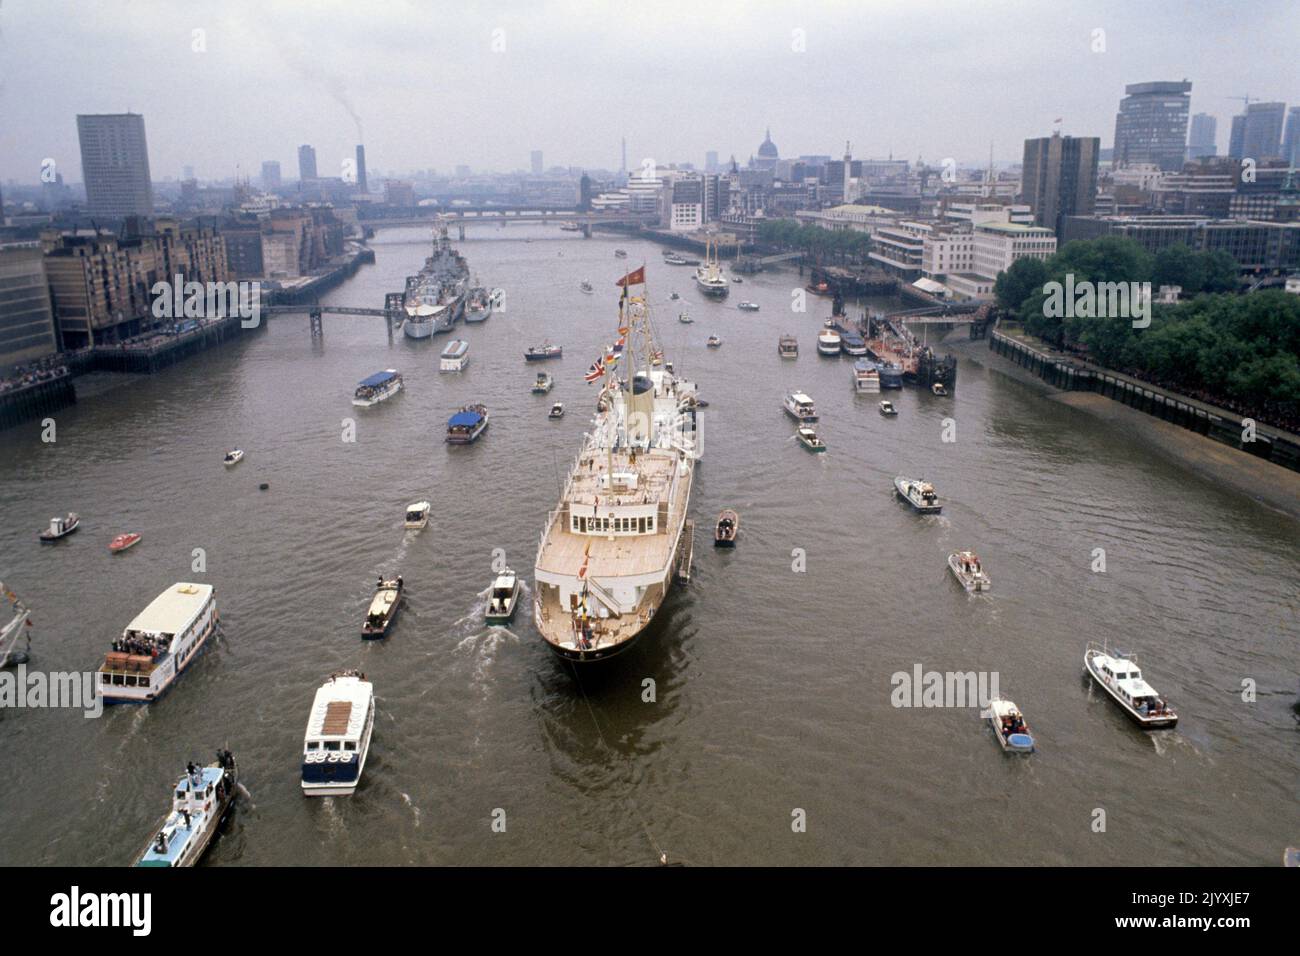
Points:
(455, 347)
(418, 506)
(506, 579)
(339, 708)
(800, 397)
(465, 418)
(380, 377)
(172, 610)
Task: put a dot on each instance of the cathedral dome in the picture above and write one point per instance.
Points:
(768, 149)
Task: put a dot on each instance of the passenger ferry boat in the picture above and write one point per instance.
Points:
(808, 438)
(383, 608)
(919, 494)
(709, 277)
(1119, 675)
(467, 425)
(965, 567)
(424, 318)
(338, 734)
(891, 375)
(852, 343)
(60, 527)
(540, 353)
(455, 356)
(233, 457)
(800, 407)
(377, 388)
(543, 384)
(787, 346)
(417, 515)
(866, 377)
(478, 305)
(201, 799)
(673, 259)
(612, 546)
(158, 644)
(122, 542)
(1009, 726)
(828, 342)
(503, 598)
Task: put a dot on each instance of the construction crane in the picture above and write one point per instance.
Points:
(1245, 100)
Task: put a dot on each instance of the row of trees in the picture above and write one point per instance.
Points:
(1242, 352)
(824, 245)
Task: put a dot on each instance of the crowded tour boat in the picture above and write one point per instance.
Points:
(377, 388)
(467, 425)
(727, 528)
(158, 644)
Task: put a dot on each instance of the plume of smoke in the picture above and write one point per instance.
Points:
(297, 55)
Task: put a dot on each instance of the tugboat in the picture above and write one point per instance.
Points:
(787, 346)
(543, 384)
(503, 598)
(60, 527)
(123, 541)
(417, 515)
(539, 353)
(919, 494)
(233, 457)
(200, 801)
(383, 608)
(557, 410)
(965, 566)
(1009, 726)
(1119, 675)
(808, 438)
(728, 526)
(478, 305)
(338, 735)
(467, 425)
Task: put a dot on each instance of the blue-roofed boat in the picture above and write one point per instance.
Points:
(467, 424)
(378, 387)
(891, 374)
(853, 344)
(200, 801)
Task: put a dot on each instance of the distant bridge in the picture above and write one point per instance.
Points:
(392, 313)
(460, 216)
(957, 314)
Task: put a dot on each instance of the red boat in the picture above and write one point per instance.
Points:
(123, 541)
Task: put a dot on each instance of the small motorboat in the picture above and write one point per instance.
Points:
(1009, 726)
(919, 494)
(417, 515)
(748, 306)
(233, 457)
(1119, 675)
(61, 527)
(714, 342)
(787, 346)
(724, 534)
(383, 608)
(557, 410)
(674, 297)
(540, 353)
(938, 389)
(543, 384)
(887, 409)
(201, 799)
(586, 288)
(123, 541)
(965, 567)
(673, 259)
(503, 598)
(737, 279)
(620, 253)
(685, 318)
(808, 438)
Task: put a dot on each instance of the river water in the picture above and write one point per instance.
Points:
(772, 685)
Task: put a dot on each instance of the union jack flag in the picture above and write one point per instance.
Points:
(596, 370)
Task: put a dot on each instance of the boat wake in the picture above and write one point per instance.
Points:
(415, 811)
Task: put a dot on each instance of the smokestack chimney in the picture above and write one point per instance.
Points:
(361, 169)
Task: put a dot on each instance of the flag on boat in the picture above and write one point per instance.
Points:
(623, 330)
(611, 358)
(596, 370)
(582, 571)
(635, 277)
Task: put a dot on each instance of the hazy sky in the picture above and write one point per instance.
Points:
(436, 84)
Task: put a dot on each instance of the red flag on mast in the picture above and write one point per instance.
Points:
(635, 277)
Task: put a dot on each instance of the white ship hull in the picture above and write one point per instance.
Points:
(378, 397)
(414, 329)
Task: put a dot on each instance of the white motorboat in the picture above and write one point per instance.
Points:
(938, 389)
(338, 735)
(748, 306)
(233, 457)
(966, 568)
(887, 409)
(1119, 675)
(557, 410)
(503, 598)
(800, 407)
(829, 342)
(61, 527)
(919, 494)
(417, 515)
(685, 318)
(1009, 726)
(808, 438)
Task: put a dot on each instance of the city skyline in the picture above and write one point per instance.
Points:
(255, 84)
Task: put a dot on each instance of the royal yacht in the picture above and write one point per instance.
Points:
(709, 276)
(611, 547)
(800, 407)
(377, 388)
(1119, 675)
(338, 735)
(200, 801)
(159, 644)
